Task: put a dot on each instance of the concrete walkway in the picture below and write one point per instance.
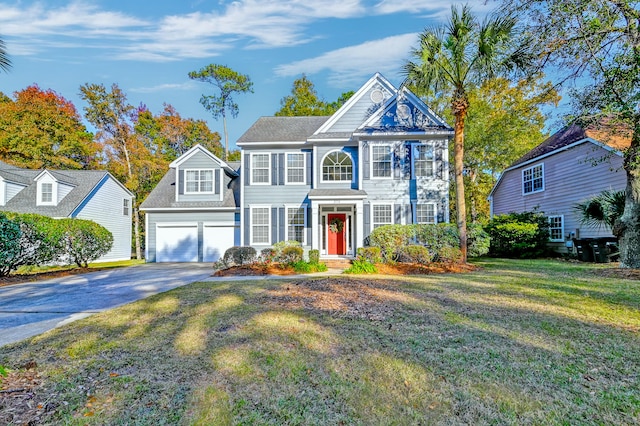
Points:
(29, 309)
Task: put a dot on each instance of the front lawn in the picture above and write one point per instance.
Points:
(516, 342)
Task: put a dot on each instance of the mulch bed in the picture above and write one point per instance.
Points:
(19, 402)
(255, 269)
(623, 273)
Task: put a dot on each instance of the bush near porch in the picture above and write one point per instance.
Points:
(440, 240)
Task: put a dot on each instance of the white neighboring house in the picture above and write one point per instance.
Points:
(84, 194)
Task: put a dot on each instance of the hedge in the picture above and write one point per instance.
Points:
(523, 235)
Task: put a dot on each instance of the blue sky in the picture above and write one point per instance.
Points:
(148, 48)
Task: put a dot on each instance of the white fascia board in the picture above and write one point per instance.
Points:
(199, 148)
(189, 209)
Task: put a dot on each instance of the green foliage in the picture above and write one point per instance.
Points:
(267, 255)
(5, 62)
(291, 255)
(361, 267)
(390, 238)
(84, 240)
(449, 255)
(314, 256)
(9, 243)
(603, 209)
(3, 371)
(478, 240)
(239, 255)
(413, 254)
(228, 82)
(303, 267)
(304, 101)
(523, 235)
(369, 254)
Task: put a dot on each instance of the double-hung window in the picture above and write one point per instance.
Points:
(46, 192)
(382, 214)
(423, 161)
(533, 179)
(295, 167)
(125, 207)
(381, 161)
(198, 181)
(260, 169)
(296, 223)
(426, 213)
(260, 224)
(556, 228)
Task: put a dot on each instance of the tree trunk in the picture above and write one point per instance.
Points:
(226, 138)
(628, 226)
(136, 230)
(458, 163)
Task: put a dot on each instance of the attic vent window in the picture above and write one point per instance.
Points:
(377, 96)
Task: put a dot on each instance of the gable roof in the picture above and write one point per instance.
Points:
(85, 182)
(282, 129)
(572, 134)
(199, 148)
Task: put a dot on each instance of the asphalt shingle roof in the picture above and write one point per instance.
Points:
(164, 195)
(282, 129)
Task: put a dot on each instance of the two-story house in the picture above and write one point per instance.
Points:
(84, 194)
(327, 182)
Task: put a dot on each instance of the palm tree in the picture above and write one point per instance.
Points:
(602, 209)
(5, 62)
(452, 58)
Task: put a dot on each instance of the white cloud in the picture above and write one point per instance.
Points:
(351, 64)
(188, 85)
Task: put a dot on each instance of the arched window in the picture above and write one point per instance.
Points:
(336, 167)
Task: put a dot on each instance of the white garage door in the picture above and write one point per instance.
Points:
(177, 243)
(217, 239)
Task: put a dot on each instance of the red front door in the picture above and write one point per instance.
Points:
(337, 224)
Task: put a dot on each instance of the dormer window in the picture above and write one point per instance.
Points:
(46, 193)
(198, 181)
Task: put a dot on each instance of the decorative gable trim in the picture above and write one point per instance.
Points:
(199, 148)
(376, 79)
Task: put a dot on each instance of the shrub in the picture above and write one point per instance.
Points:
(314, 256)
(84, 240)
(390, 238)
(449, 255)
(267, 255)
(303, 267)
(522, 235)
(9, 244)
(239, 255)
(291, 255)
(414, 254)
(478, 240)
(40, 242)
(369, 254)
(361, 267)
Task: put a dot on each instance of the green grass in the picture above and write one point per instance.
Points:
(517, 342)
(94, 265)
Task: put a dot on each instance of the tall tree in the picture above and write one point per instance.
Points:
(43, 129)
(127, 157)
(451, 59)
(168, 135)
(5, 61)
(304, 101)
(219, 105)
(599, 41)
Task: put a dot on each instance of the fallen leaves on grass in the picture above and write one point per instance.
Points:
(19, 399)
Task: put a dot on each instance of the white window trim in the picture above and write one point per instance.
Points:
(54, 190)
(391, 151)
(126, 204)
(337, 181)
(286, 219)
(213, 182)
(435, 213)
(286, 169)
(251, 155)
(373, 205)
(556, 240)
(541, 165)
(414, 148)
(259, 206)
(3, 191)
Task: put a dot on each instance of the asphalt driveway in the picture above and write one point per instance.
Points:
(29, 309)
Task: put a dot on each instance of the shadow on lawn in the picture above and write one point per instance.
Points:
(450, 349)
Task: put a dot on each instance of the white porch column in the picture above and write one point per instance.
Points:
(315, 209)
(359, 226)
